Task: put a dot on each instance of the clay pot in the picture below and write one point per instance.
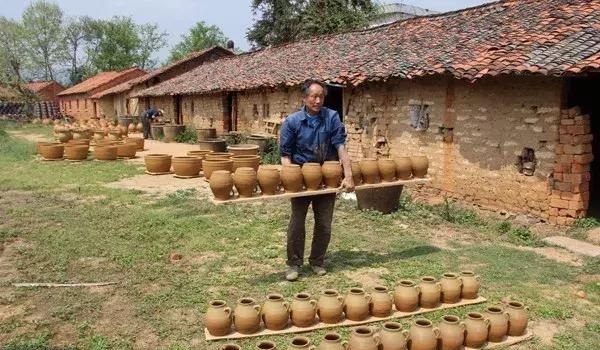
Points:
(124, 130)
(230, 347)
(64, 136)
(158, 163)
(406, 296)
(356, 174)
(139, 127)
(451, 288)
(76, 152)
(430, 292)
(363, 338)
(452, 333)
(476, 330)
(50, 150)
(114, 135)
(276, 312)
(498, 323)
(303, 310)
(139, 141)
(381, 302)
(206, 133)
(268, 179)
(403, 168)
(330, 307)
(215, 145)
(187, 166)
(108, 152)
(131, 128)
(156, 131)
(245, 180)
(198, 153)
(171, 131)
(517, 318)
(300, 343)
(422, 335)
(245, 161)
(387, 169)
(212, 165)
(393, 337)
(291, 178)
(39, 144)
(356, 304)
(246, 316)
(243, 149)
(79, 142)
(266, 345)
(470, 285)
(218, 155)
(312, 175)
(79, 134)
(98, 135)
(332, 341)
(218, 318)
(332, 173)
(126, 150)
(221, 184)
(419, 165)
(369, 170)
(258, 140)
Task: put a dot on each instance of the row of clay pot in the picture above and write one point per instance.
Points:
(372, 171)
(79, 149)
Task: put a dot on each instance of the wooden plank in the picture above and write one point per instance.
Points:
(345, 323)
(508, 341)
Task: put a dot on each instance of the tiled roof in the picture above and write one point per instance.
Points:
(37, 86)
(549, 37)
(97, 81)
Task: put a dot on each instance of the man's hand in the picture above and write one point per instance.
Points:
(348, 184)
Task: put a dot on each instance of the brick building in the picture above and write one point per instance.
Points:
(45, 90)
(500, 97)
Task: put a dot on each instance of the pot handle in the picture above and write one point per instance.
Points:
(286, 305)
(418, 289)
(258, 308)
(377, 339)
(477, 277)
(506, 315)
(436, 331)
(487, 322)
(227, 310)
(406, 333)
(340, 299)
(439, 286)
(463, 326)
(313, 302)
(391, 296)
(345, 345)
(368, 297)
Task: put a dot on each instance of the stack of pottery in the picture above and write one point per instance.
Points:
(187, 166)
(251, 161)
(127, 150)
(62, 133)
(158, 163)
(243, 149)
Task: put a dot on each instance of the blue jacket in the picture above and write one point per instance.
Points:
(304, 142)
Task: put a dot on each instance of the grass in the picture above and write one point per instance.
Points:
(59, 223)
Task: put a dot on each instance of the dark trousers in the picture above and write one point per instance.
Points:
(296, 235)
(146, 125)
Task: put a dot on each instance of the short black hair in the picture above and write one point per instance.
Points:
(310, 82)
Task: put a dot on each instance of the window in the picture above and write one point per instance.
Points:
(192, 107)
(70, 104)
(265, 111)
(419, 115)
(77, 103)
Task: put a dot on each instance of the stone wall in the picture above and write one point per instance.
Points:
(166, 104)
(203, 111)
(254, 107)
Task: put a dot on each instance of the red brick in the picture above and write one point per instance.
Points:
(577, 129)
(563, 129)
(553, 220)
(563, 186)
(567, 159)
(585, 195)
(574, 205)
(565, 139)
(559, 203)
(577, 168)
(583, 158)
(583, 187)
(570, 221)
(567, 121)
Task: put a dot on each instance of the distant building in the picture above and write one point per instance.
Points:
(399, 11)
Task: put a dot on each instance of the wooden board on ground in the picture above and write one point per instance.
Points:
(186, 177)
(508, 341)
(345, 323)
(164, 173)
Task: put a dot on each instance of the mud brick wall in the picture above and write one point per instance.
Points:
(203, 111)
(78, 106)
(254, 107)
(166, 104)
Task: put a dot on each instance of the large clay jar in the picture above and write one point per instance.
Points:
(218, 318)
(131, 128)
(266, 345)
(452, 333)
(139, 127)
(517, 318)
(476, 330)
(381, 301)
(114, 135)
(245, 161)
(422, 335)
(403, 168)
(276, 312)
(291, 178)
(105, 152)
(139, 142)
(76, 152)
(356, 174)
(218, 155)
(50, 150)
(356, 304)
(387, 169)
(300, 343)
(406, 296)
(393, 337)
(451, 288)
(498, 323)
(470, 285)
(332, 341)
(303, 310)
(126, 150)
(312, 175)
(246, 316)
(221, 184)
(41, 143)
(430, 292)
(332, 173)
(363, 338)
(158, 163)
(79, 134)
(369, 170)
(206, 133)
(213, 165)
(187, 166)
(419, 164)
(243, 149)
(124, 130)
(244, 180)
(268, 179)
(98, 135)
(330, 307)
(64, 135)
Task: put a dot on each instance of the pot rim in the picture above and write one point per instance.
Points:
(467, 273)
(381, 289)
(217, 303)
(158, 155)
(217, 161)
(243, 146)
(290, 166)
(495, 309)
(275, 297)
(302, 296)
(428, 279)
(330, 292)
(245, 157)
(391, 326)
(304, 341)
(336, 337)
(363, 331)
(357, 291)
(230, 347)
(450, 275)
(245, 169)
(423, 322)
(475, 316)
(185, 158)
(515, 304)
(268, 345)
(315, 164)
(451, 319)
(406, 283)
(246, 301)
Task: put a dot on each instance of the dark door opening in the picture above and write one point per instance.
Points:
(177, 109)
(228, 112)
(335, 99)
(583, 92)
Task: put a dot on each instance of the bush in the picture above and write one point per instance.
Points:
(187, 136)
(271, 154)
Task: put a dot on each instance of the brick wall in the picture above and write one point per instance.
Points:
(78, 106)
(203, 111)
(253, 107)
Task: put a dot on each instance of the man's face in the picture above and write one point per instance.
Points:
(314, 99)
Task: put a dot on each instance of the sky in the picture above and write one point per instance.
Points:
(176, 17)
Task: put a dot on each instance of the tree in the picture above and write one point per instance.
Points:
(12, 52)
(334, 16)
(151, 40)
(279, 22)
(200, 37)
(75, 34)
(113, 44)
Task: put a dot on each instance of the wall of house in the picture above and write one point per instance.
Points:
(166, 104)
(78, 106)
(255, 107)
(203, 111)
(49, 92)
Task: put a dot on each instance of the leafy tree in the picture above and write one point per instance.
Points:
(151, 40)
(75, 35)
(200, 37)
(333, 16)
(279, 21)
(113, 44)
(12, 52)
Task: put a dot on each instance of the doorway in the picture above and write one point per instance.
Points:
(177, 109)
(335, 99)
(228, 112)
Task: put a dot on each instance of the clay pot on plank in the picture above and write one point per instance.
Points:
(76, 152)
(80, 134)
(452, 333)
(126, 150)
(430, 292)
(369, 170)
(403, 168)
(186, 166)
(356, 304)
(393, 337)
(498, 323)
(245, 149)
(300, 343)
(406, 296)
(218, 318)
(363, 338)
(50, 150)
(419, 165)
(356, 174)
(268, 179)
(476, 330)
(245, 181)
(64, 136)
(215, 145)
(105, 152)
(291, 178)
(332, 173)
(218, 164)
(451, 288)
(332, 341)
(246, 316)
(99, 135)
(312, 175)
(221, 184)
(303, 310)
(158, 163)
(266, 345)
(218, 155)
(139, 141)
(245, 161)
(275, 312)
(470, 285)
(381, 301)
(387, 169)
(517, 318)
(422, 335)
(330, 307)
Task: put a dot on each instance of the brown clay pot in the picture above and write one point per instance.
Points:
(221, 184)
(332, 173)
(419, 165)
(430, 292)
(403, 168)
(393, 337)
(124, 130)
(312, 175)
(126, 150)
(291, 178)
(275, 312)
(332, 341)
(330, 307)
(300, 343)
(356, 174)
(470, 285)
(266, 345)
(517, 318)
(76, 152)
(158, 163)
(139, 127)
(387, 169)
(99, 135)
(105, 152)
(187, 166)
(356, 304)
(246, 316)
(218, 155)
(64, 136)
(243, 149)
(476, 330)
(245, 161)
(46, 121)
(206, 133)
(215, 145)
(114, 135)
(363, 338)
(79, 134)
(139, 141)
(245, 180)
(268, 179)
(369, 170)
(39, 144)
(50, 150)
(218, 318)
(422, 335)
(198, 153)
(381, 302)
(451, 288)
(406, 296)
(452, 333)
(217, 164)
(303, 310)
(498, 323)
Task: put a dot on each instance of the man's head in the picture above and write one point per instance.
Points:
(161, 112)
(313, 95)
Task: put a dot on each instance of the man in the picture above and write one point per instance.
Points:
(147, 117)
(313, 134)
